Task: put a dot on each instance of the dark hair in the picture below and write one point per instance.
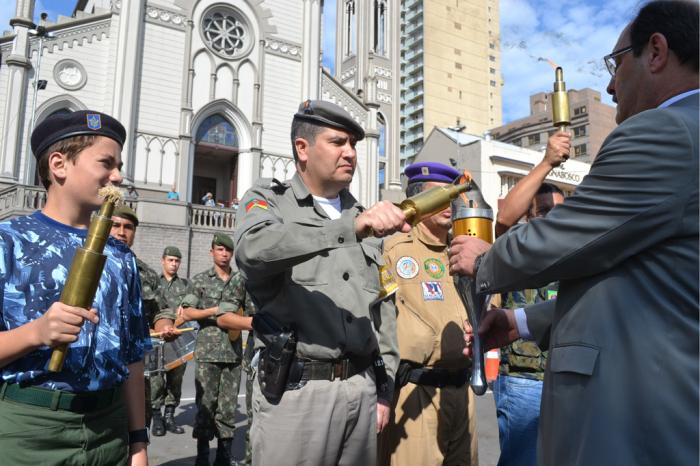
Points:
(677, 20)
(547, 188)
(414, 188)
(305, 130)
(70, 147)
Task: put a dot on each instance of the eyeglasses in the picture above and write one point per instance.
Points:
(610, 62)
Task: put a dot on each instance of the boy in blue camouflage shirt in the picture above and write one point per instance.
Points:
(92, 412)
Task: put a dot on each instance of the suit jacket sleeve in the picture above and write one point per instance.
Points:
(539, 321)
(629, 201)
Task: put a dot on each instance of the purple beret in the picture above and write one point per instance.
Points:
(430, 171)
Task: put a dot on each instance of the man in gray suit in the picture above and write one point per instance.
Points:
(621, 386)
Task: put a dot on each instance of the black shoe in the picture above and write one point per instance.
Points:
(158, 426)
(170, 424)
(223, 452)
(202, 452)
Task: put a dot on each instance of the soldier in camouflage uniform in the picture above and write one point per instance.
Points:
(518, 389)
(217, 295)
(124, 223)
(166, 387)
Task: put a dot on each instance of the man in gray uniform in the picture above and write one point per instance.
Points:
(309, 265)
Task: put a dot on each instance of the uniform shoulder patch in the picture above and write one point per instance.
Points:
(434, 267)
(407, 267)
(256, 203)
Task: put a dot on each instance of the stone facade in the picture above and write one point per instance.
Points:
(206, 90)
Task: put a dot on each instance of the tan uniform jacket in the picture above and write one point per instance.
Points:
(312, 273)
(430, 312)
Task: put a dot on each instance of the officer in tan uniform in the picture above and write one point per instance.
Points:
(433, 420)
(311, 268)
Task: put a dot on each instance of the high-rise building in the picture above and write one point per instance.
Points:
(591, 122)
(450, 68)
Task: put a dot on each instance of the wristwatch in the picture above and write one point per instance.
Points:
(139, 436)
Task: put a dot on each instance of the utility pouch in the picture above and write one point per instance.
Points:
(276, 358)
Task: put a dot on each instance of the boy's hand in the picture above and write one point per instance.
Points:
(62, 323)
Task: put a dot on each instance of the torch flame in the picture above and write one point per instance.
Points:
(551, 63)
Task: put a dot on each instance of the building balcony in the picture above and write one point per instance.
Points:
(22, 200)
(412, 68)
(413, 27)
(413, 53)
(413, 94)
(410, 81)
(413, 13)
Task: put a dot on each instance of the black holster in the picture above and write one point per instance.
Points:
(276, 358)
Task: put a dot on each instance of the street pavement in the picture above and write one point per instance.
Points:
(180, 450)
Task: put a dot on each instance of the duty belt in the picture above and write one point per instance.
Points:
(439, 377)
(304, 369)
(59, 399)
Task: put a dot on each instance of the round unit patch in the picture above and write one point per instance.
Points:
(434, 267)
(407, 267)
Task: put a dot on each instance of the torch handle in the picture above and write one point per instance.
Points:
(466, 288)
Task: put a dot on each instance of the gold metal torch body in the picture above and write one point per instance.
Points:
(472, 216)
(560, 102)
(86, 268)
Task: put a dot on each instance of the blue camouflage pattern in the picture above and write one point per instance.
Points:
(35, 255)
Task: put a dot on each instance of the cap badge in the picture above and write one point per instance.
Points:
(425, 170)
(94, 121)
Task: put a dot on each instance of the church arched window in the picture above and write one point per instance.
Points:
(217, 130)
(380, 15)
(350, 27)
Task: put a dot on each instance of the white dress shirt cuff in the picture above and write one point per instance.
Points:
(521, 323)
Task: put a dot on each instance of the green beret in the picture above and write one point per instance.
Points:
(222, 239)
(124, 211)
(325, 113)
(172, 251)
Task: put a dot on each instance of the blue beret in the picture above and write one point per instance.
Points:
(66, 125)
(325, 113)
(430, 171)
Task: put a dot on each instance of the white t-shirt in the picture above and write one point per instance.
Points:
(330, 206)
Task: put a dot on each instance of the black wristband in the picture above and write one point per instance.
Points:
(139, 436)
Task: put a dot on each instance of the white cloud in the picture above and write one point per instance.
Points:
(572, 33)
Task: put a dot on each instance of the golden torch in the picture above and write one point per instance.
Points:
(427, 203)
(472, 216)
(88, 263)
(560, 103)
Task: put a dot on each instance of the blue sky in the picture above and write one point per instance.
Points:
(573, 33)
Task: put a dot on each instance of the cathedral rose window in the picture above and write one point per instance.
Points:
(226, 32)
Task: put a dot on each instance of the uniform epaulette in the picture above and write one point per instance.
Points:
(271, 183)
(392, 241)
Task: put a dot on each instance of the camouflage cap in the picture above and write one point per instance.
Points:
(172, 251)
(124, 211)
(222, 239)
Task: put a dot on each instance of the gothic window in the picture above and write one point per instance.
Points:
(380, 27)
(218, 131)
(226, 32)
(350, 27)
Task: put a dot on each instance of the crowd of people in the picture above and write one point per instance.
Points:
(359, 345)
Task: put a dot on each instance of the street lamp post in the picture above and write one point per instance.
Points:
(42, 33)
